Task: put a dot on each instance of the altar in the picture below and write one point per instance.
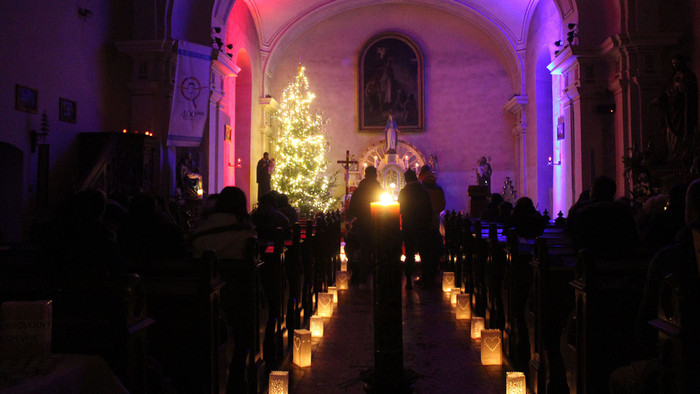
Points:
(390, 166)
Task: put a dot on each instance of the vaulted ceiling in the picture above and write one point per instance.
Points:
(273, 18)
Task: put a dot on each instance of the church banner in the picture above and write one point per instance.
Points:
(191, 95)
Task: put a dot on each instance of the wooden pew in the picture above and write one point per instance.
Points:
(517, 281)
(246, 313)
(547, 308)
(494, 272)
(678, 325)
(599, 336)
(276, 289)
(295, 277)
(478, 271)
(189, 337)
(309, 287)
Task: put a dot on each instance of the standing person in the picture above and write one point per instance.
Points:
(416, 215)
(263, 175)
(434, 247)
(367, 191)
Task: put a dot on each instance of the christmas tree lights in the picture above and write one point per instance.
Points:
(301, 147)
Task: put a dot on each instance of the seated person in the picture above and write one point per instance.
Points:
(226, 230)
(267, 218)
(525, 219)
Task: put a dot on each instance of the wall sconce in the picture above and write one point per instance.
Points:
(491, 341)
(463, 308)
(550, 162)
(325, 304)
(515, 383)
(238, 163)
(477, 326)
(316, 326)
(301, 354)
(448, 281)
(279, 382)
(333, 290)
(341, 279)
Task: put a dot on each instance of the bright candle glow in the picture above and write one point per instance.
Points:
(491, 341)
(477, 326)
(316, 326)
(515, 383)
(341, 278)
(448, 281)
(333, 290)
(453, 295)
(325, 304)
(279, 382)
(301, 354)
(385, 198)
(463, 307)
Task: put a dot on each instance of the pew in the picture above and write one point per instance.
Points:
(599, 335)
(189, 337)
(276, 289)
(295, 277)
(678, 325)
(547, 308)
(479, 255)
(494, 272)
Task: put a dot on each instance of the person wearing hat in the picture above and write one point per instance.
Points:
(434, 244)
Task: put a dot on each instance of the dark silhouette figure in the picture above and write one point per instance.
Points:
(263, 175)
(416, 215)
(267, 218)
(491, 212)
(525, 219)
(435, 246)
(367, 191)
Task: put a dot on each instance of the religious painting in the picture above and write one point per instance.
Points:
(391, 84)
(560, 128)
(26, 99)
(67, 110)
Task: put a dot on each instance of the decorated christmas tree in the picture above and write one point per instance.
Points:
(301, 148)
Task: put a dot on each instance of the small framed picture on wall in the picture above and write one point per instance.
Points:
(67, 110)
(227, 133)
(560, 128)
(26, 99)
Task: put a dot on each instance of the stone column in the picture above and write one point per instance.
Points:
(516, 106)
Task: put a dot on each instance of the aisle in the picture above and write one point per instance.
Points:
(436, 346)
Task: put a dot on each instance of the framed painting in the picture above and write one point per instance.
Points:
(560, 128)
(391, 83)
(67, 110)
(26, 99)
(227, 133)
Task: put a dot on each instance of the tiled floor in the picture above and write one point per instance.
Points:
(436, 346)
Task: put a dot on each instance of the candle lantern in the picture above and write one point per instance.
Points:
(343, 265)
(333, 290)
(316, 326)
(463, 308)
(515, 383)
(448, 281)
(301, 353)
(341, 279)
(491, 343)
(325, 304)
(453, 295)
(477, 326)
(279, 382)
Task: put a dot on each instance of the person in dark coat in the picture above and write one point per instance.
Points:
(416, 214)
(435, 245)
(263, 175)
(367, 191)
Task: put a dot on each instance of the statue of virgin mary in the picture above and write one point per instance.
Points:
(391, 133)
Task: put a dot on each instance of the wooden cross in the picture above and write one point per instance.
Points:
(346, 165)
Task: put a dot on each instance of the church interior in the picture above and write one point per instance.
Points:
(555, 104)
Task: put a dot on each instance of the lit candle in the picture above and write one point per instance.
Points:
(491, 342)
(316, 326)
(333, 290)
(477, 326)
(279, 382)
(463, 307)
(515, 383)
(385, 214)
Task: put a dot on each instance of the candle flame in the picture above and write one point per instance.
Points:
(386, 198)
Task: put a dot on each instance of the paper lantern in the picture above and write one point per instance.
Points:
(453, 295)
(477, 326)
(463, 308)
(325, 304)
(448, 281)
(316, 326)
(301, 355)
(341, 280)
(279, 382)
(344, 265)
(515, 383)
(333, 290)
(491, 343)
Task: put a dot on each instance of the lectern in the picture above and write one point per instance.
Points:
(478, 199)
